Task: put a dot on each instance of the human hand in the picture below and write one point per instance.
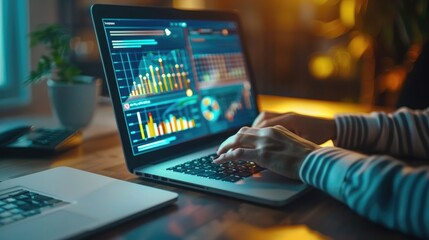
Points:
(315, 129)
(274, 148)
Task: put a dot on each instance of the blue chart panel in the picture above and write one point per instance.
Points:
(224, 67)
(141, 74)
(227, 106)
(172, 121)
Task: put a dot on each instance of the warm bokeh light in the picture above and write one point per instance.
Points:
(393, 79)
(189, 4)
(321, 66)
(358, 45)
(347, 12)
(341, 22)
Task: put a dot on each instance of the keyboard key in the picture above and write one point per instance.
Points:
(9, 206)
(5, 215)
(206, 174)
(9, 200)
(20, 204)
(229, 172)
(231, 179)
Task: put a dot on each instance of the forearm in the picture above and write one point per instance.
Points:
(378, 187)
(404, 133)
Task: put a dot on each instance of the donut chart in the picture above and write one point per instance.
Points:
(210, 109)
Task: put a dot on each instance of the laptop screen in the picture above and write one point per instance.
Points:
(178, 80)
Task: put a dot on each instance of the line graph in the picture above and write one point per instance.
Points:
(143, 74)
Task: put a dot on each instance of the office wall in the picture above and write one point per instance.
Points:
(41, 11)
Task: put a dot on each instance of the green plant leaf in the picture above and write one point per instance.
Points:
(43, 70)
(56, 39)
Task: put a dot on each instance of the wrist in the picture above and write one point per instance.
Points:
(308, 151)
(332, 125)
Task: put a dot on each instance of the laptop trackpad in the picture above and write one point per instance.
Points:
(51, 226)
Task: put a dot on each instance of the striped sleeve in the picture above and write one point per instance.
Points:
(378, 187)
(405, 133)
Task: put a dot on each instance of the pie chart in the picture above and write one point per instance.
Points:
(210, 109)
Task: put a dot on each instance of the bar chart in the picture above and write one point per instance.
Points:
(161, 120)
(151, 129)
(142, 74)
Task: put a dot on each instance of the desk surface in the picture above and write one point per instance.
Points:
(199, 215)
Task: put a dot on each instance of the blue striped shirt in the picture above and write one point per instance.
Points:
(368, 177)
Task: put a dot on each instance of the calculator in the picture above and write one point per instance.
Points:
(30, 141)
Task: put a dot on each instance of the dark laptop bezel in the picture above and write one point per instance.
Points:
(100, 11)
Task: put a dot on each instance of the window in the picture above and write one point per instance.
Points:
(13, 52)
(2, 79)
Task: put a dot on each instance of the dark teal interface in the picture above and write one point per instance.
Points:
(178, 80)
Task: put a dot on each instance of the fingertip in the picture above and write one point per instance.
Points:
(219, 151)
(219, 159)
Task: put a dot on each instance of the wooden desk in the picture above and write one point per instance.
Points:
(312, 107)
(199, 215)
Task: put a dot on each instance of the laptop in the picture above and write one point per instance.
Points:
(64, 203)
(180, 83)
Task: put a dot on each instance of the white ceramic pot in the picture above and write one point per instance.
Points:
(74, 103)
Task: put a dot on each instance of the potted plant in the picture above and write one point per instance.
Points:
(73, 97)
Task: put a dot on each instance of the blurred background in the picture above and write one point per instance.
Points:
(354, 51)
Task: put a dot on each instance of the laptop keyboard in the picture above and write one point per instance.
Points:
(228, 172)
(19, 204)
